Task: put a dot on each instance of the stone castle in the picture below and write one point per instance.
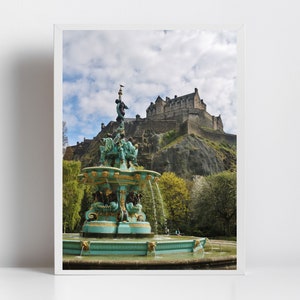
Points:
(184, 108)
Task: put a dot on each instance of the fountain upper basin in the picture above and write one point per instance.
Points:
(101, 174)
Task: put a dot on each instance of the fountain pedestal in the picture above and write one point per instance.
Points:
(124, 228)
(117, 210)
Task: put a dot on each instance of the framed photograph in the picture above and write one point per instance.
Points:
(149, 150)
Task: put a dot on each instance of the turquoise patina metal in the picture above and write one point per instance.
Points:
(117, 209)
(140, 247)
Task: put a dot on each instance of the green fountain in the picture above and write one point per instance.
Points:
(116, 231)
(117, 211)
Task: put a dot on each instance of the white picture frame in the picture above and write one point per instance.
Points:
(58, 146)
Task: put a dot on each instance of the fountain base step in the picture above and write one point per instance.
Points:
(220, 263)
(110, 228)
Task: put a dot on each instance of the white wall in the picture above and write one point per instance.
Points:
(272, 130)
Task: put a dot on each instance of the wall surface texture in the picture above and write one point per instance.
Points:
(270, 157)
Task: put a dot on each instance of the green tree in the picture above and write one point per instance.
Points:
(214, 204)
(72, 195)
(177, 201)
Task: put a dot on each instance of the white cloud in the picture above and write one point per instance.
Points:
(148, 63)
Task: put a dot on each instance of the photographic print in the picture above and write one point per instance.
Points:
(146, 150)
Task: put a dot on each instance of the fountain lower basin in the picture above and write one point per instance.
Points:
(76, 245)
(169, 253)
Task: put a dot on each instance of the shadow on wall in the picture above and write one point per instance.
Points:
(33, 222)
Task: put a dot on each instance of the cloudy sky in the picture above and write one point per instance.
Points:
(149, 64)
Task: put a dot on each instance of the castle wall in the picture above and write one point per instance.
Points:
(139, 128)
(181, 115)
(191, 126)
(218, 136)
(204, 119)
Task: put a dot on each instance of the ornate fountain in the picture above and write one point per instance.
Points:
(117, 210)
(115, 225)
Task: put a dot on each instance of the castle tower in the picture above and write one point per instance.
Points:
(198, 102)
(160, 105)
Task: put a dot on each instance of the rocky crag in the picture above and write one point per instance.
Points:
(173, 150)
